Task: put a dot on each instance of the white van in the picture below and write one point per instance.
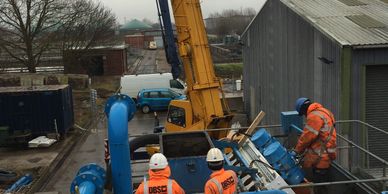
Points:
(152, 45)
(132, 84)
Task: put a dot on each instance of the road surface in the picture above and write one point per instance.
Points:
(91, 149)
(148, 64)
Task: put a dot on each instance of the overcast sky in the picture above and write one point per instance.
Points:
(130, 9)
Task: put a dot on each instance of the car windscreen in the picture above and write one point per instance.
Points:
(175, 93)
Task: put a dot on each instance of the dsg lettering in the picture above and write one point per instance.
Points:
(158, 189)
(227, 183)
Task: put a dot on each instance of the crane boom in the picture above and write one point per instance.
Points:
(204, 107)
(168, 37)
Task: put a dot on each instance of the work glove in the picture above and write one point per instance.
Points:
(293, 153)
(297, 157)
(332, 156)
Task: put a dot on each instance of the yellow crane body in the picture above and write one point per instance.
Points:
(204, 107)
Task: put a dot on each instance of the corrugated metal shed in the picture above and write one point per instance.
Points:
(344, 23)
(281, 63)
(324, 50)
(317, 49)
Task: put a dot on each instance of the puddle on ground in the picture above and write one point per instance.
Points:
(90, 151)
(34, 160)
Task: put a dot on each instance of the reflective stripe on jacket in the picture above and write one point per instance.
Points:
(159, 183)
(318, 138)
(222, 181)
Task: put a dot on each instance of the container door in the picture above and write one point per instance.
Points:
(376, 110)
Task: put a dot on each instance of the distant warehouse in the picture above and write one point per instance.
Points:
(333, 51)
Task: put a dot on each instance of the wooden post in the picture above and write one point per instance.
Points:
(252, 127)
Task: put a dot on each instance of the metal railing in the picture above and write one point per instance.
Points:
(356, 156)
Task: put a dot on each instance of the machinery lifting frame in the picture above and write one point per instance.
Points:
(383, 179)
(120, 109)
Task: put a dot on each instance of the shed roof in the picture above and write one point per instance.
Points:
(349, 22)
(135, 25)
(43, 88)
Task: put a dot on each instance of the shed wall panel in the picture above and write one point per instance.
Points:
(114, 63)
(281, 63)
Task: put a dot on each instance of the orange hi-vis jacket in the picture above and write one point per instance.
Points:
(318, 138)
(222, 181)
(159, 183)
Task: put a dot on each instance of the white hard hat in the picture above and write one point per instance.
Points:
(214, 155)
(158, 161)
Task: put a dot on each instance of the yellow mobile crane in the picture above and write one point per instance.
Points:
(204, 108)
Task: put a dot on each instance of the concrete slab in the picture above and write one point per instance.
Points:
(37, 161)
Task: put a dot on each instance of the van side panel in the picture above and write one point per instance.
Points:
(132, 84)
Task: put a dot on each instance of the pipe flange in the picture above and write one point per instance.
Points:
(93, 167)
(126, 99)
(90, 173)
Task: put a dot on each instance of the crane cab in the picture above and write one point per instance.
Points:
(180, 118)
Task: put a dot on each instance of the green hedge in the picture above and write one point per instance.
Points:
(229, 70)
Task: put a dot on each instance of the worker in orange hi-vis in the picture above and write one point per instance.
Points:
(159, 182)
(318, 140)
(221, 181)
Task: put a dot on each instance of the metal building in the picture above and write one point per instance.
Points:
(333, 51)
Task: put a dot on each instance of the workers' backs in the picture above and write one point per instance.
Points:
(222, 182)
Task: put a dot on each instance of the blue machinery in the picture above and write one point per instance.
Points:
(263, 164)
(23, 181)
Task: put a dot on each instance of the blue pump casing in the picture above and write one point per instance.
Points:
(277, 155)
(284, 163)
(262, 139)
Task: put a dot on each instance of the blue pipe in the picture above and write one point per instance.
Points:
(87, 188)
(298, 130)
(91, 178)
(25, 180)
(119, 148)
(121, 109)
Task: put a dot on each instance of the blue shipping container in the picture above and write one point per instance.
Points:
(39, 109)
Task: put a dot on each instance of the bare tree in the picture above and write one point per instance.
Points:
(249, 11)
(230, 21)
(28, 27)
(31, 27)
(90, 24)
(147, 21)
